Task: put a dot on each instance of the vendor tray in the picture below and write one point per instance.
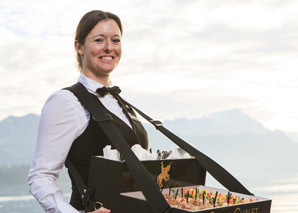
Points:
(117, 190)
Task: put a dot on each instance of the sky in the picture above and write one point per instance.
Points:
(181, 58)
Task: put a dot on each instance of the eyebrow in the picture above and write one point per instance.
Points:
(104, 35)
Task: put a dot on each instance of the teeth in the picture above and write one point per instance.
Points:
(107, 58)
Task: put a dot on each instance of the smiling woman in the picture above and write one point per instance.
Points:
(99, 52)
(67, 130)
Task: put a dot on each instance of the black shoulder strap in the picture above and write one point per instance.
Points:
(142, 177)
(86, 192)
(217, 171)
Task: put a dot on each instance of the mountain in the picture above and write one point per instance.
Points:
(230, 137)
(230, 122)
(293, 136)
(17, 139)
(244, 147)
(234, 140)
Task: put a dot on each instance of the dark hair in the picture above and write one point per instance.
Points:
(88, 22)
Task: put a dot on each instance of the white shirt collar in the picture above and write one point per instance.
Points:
(90, 84)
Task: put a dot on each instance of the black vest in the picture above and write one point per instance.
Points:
(93, 140)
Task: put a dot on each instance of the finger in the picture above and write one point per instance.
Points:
(104, 210)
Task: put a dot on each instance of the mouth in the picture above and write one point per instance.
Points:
(108, 58)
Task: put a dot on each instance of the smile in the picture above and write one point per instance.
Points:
(109, 58)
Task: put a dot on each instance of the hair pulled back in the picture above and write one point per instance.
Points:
(88, 22)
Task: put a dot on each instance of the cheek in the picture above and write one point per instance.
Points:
(118, 50)
(94, 50)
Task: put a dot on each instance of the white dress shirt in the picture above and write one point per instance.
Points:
(62, 120)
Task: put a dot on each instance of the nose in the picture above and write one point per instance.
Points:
(108, 46)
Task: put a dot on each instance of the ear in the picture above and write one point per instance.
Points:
(79, 47)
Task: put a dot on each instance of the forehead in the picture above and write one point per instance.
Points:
(107, 27)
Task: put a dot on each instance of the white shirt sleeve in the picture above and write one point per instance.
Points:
(62, 120)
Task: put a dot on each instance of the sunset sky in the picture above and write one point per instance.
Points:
(181, 59)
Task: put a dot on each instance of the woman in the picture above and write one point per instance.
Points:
(66, 128)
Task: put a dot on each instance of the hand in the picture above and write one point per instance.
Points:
(101, 210)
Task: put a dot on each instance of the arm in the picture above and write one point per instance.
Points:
(62, 120)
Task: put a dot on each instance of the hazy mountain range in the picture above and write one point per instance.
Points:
(235, 141)
(230, 137)
(18, 139)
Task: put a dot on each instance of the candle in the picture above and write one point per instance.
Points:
(176, 194)
(187, 195)
(214, 199)
(229, 194)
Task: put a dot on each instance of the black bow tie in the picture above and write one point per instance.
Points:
(105, 90)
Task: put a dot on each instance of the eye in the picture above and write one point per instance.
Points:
(99, 40)
(116, 40)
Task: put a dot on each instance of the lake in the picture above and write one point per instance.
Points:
(281, 188)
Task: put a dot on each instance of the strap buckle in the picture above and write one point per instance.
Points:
(97, 205)
(87, 199)
(105, 117)
(156, 123)
(87, 196)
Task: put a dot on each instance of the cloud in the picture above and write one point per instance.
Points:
(192, 58)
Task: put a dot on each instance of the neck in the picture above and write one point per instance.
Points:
(103, 79)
